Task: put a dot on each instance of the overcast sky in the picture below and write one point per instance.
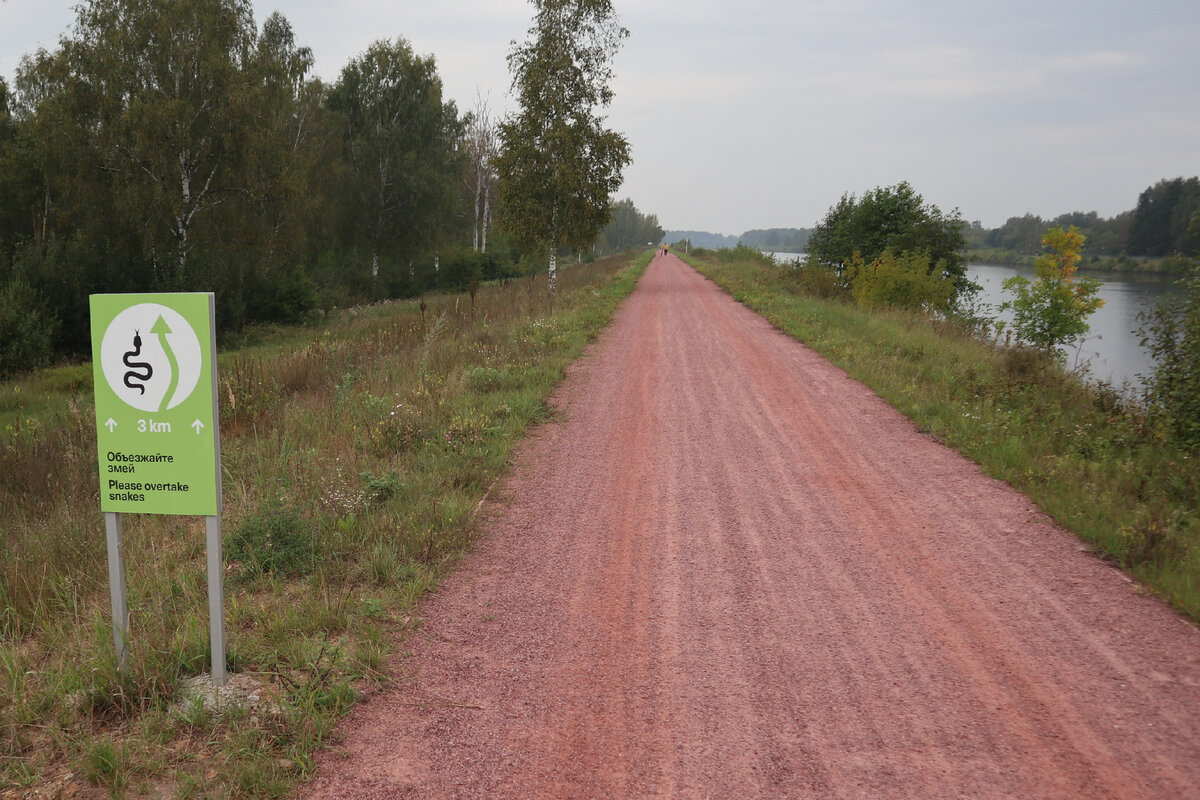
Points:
(762, 113)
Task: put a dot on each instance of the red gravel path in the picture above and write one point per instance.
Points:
(730, 571)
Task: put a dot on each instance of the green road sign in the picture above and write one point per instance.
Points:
(154, 361)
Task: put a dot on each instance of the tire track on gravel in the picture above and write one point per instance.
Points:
(729, 570)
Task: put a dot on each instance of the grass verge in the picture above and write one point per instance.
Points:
(1085, 453)
(354, 453)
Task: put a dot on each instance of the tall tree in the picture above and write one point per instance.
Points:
(164, 83)
(559, 164)
(1162, 219)
(11, 202)
(76, 233)
(629, 228)
(481, 144)
(1019, 234)
(285, 137)
(894, 219)
(52, 151)
(401, 147)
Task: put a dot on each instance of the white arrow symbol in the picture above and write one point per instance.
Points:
(197, 425)
(111, 424)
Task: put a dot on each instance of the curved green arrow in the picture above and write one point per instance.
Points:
(161, 329)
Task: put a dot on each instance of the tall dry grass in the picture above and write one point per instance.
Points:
(353, 455)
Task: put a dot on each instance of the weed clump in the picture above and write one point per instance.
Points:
(276, 540)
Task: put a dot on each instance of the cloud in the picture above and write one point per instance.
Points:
(763, 113)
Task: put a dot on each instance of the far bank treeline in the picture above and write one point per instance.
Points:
(1160, 233)
(1164, 227)
(171, 145)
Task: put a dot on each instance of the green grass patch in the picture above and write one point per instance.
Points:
(354, 453)
(1086, 453)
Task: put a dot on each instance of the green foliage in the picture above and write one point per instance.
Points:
(276, 540)
(559, 164)
(1172, 333)
(381, 488)
(173, 146)
(819, 280)
(26, 329)
(461, 268)
(157, 87)
(777, 240)
(166, 146)
(64, 271)
(896, 219)
(628, 228)
(401, 149)
(280, 295)
(906, 281)
(105, 762)
(1019, 234)
(1053, 309)
(1022, 236)
(742, 254)
(1160, 226)
(1163, 219)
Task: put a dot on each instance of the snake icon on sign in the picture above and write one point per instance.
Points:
(161, 369)
(134, 373)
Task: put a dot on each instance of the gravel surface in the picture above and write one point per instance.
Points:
(727, 570)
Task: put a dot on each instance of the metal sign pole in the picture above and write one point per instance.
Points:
(116, 586)
(216, 599)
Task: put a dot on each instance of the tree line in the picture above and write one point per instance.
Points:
(777, 240)
(171, 145)
(1164, 224)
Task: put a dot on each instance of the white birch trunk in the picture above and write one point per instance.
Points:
(182, 221)
(553, 271)
(487, 212)
(478, 201)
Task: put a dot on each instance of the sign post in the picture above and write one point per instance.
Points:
(158, 441)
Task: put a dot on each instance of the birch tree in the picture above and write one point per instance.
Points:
(163, 80)
(559, 164)
(400, 146)
(481, 144)
(292, 146)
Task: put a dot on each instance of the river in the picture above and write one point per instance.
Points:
(1111, 350)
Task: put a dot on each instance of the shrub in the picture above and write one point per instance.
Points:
(26, 329)
(819, 280)
(743, 253)
(904, 281)
(1172, 332)
(286, 295)
(277, 540)
(895, 218)
(459, 268)
(1053, 309)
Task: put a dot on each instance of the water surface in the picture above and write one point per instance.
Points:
(1111, 350)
